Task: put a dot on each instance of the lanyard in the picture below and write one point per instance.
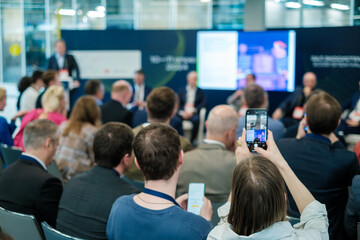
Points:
(160, 195)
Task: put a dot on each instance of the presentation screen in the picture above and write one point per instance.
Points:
(225, 58)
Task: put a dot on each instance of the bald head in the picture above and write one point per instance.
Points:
(121, 91)
(221, 119)
(309, 80)
(191, 78)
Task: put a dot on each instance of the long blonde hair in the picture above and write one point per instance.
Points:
(51, 100)
(2, 93)
(85, 111)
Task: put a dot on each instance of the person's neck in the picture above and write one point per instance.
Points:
(215, 138)
(119, 169)
(324, 135)
(165, 186)
(152, 120)
(37, 87)
(39, 154)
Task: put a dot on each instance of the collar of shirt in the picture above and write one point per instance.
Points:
(60, 60)
(210, 141)
(37, 159)
(318, 137)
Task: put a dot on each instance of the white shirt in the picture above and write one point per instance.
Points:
(28, 99)
(60, 60)
(139, 92)
(37, 159)
(190, 95)
(209, 141)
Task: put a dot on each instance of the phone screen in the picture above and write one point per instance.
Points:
(196, 195)
(256, 128)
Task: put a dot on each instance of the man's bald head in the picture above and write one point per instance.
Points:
(121, 91)
(309, 80)
(221, 119)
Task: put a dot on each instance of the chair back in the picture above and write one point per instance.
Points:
(53, 234)
(20, 226)
(10, 154)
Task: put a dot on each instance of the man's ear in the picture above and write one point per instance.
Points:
(339, 122)
(47, 143)
(181, 157)
(136, 163)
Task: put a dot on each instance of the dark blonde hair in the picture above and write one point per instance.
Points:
(85, 111)
(258, 196)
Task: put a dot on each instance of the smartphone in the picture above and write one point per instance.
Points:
(256, 122)
(195, 199)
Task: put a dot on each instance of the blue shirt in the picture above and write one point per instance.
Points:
(129, 221)
(6, 130)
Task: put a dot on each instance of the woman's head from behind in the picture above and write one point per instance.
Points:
(258, 196)
(53, 99)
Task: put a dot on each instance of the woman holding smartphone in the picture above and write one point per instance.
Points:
(257, 204)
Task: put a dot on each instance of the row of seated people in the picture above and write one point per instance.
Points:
(319, 160)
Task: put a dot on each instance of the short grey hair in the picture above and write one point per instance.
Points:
(36, 133)
(221, 119)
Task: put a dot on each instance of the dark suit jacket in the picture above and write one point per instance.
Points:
(297, 98)
(87, 200)
(352, 212)
(25, 187)
(113, 111)
(69, 64)
(326, 170)
(200, 99)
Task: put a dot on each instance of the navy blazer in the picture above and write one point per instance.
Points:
(326, 170)
(297, 98)
(352, 212)
(200, 99)
(351, 104)
(26, 187)
(69, 63)
(113, 111)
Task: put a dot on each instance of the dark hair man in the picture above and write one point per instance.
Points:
(154, 213)
(87, 199)
(256, 97)
(320, 161)
(160, 109)
(26, 186)
(95, 88)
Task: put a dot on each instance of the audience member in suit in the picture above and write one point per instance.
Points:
(54, 103)
(26, 186)
(115, 110)
(6, 129)
(22, 85)
(30, 95)
(75, 153)
(192, 100)
(160, 109)
(176, 121)
(352, 211)
(320, 161)
(50, 78)
(64, 62)
(256, 97)
(95, 88)
(85, 205)
(291, 110)
(141, 91)
(235, 100)
(213, 161)
(154, 213)
(351, 124)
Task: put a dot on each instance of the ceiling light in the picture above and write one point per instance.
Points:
(205, 1)
(314, 3)
(95, 14)
(100, 8)
(292, 5)
(339, 6)
(67, 12)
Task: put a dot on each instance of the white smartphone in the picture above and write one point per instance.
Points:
(196, 195)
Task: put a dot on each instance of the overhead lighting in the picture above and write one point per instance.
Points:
(67, 12)
(95, 14)
(205, 1)
(277, 1)
(100, 8)
(339, 6)
(292, 5)
(314, 3)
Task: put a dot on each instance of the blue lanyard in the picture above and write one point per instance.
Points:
(160, 195)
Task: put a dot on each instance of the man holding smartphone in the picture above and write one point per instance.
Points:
(154, 213)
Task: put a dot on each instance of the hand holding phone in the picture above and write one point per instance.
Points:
(196, 195)
(256, 125)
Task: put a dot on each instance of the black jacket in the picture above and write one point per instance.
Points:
(69, 64)
(113, 111)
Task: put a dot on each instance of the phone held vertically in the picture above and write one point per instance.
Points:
(256, 125)
(195, 199)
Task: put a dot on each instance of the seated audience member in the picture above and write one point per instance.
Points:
(6, 129)
(85, 205)
(176, 121)
(320, 161)
(154, 213)
(95, 88)
(115, 110)
(159, 108)
(256, 97)
(213, 161)
(192, 100)
(54, 110)
(26, 186)
(23, 84)
(50, 78)
(235, 100)
(352, 211)
(75, 153)
(257, 204)
(351, 124)
(141, 91)
(291, 110)
(29, 96)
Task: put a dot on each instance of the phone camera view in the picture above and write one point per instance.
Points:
(256, 129)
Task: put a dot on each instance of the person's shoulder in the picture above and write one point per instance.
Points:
(122, 202)
(3, 120)
(192, 221)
